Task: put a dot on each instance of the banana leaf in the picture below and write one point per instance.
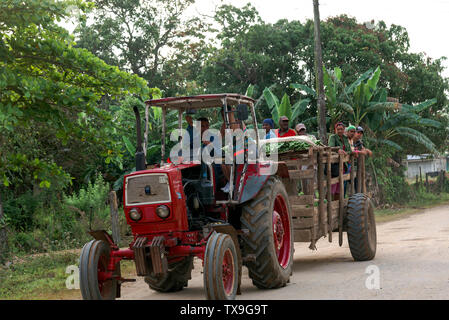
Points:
(305, 88)
(273, 104)
(299, 108)
(356, 83)
(285, 108)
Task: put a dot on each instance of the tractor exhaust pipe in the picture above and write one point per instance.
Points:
(140, 155)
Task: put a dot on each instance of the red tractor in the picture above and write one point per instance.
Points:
(181, 211)
(178, 212)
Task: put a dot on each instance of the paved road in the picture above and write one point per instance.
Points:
(412, 262)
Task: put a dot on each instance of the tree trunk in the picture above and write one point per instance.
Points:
(322, 132)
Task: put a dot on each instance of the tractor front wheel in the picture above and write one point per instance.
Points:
(220, 268)
(270, 238)
(94, 261)
(179, 273)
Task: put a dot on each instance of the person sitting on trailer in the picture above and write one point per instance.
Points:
(284, 131)
(350, 132)
(339, 139)
(268, 125)
(358, 143)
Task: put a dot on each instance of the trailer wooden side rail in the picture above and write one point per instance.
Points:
(315, 212)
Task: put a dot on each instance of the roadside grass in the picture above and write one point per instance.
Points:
(43, 276)
(425, 201)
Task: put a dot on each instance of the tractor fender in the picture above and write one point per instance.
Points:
(255, 179)
(102, 235)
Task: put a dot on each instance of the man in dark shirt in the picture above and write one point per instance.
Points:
(358, 143)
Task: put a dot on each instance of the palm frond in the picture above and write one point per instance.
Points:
(382, 106)
(420, 107)
(418, 137)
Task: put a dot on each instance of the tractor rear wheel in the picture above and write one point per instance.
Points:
(221, 273)
(94, 261)
(361, 227)
(270, 237)
(177, 277)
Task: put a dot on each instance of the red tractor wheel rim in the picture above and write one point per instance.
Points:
(281, 231)
(228, 272)
(102, 274)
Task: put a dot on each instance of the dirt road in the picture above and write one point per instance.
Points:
(412, 262)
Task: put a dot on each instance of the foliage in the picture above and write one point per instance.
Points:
(284, 108)
(50, 88)
(152, 39)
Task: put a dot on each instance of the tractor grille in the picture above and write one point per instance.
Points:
(147, 189)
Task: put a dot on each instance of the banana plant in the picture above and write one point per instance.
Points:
(284, 107)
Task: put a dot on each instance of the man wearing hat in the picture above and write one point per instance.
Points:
(284, 131)
(301, 129)
(350, 132)
(358, 143)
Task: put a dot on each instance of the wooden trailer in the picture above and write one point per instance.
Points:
(315, 213)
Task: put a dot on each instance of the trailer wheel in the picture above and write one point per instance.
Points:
(94, 261)
(361, 227)
(270, 238)
(220, 272)
(177, 277)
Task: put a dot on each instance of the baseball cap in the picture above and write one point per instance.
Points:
(301, 126)
(359, 129)
(351, 127)
(283, 118)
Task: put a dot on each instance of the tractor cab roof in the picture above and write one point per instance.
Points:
(201, 101)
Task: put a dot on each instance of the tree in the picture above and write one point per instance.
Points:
(50, 92)
(143, 36)
(319, 75)
(250, 51)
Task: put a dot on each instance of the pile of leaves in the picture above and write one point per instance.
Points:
(293, 146)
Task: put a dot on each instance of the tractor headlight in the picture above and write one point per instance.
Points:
(163, 212)
(135, 214)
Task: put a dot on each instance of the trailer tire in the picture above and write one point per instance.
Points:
(361, 227)
(94, 260)
(270, 237)
(177, 277)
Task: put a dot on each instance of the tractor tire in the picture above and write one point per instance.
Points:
(270, 236)
(221, 268)
(177, 277)
(361, 227)
(94, 260)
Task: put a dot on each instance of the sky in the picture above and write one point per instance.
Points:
(427, 22)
